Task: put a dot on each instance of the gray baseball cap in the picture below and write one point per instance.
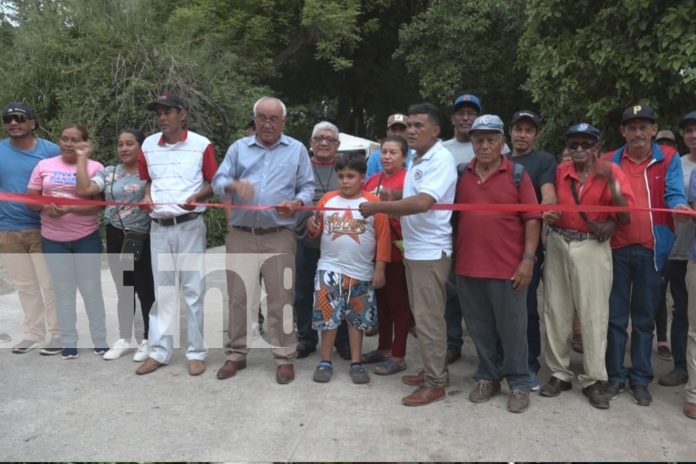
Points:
(487, 122)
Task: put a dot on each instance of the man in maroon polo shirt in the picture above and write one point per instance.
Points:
(494, 257)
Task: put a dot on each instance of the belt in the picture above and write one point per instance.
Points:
(259, 231)
(573, 235)
(172, 221)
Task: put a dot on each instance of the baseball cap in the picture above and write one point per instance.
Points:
(666, 135)
(21, 108)
(396, 118)
(487, 122)
(18, 108)
(525, 114)
(638, 112)
(169, 100)
(584, 128)
(467, 99)
(690, 117)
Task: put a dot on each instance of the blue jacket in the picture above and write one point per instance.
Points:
(665, 183)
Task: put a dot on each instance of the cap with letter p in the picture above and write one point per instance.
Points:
(638, 112)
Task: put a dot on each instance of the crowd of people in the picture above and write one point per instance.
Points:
(417, 237)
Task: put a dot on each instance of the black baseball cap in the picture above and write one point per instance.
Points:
(20, 108)
(638, 112)
(525, 114)
(584, 129)
(168, 100)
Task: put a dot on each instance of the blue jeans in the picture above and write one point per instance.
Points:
(675, 275)
(635, 294)
(306, 260)
(77, 265)
(533, 334)
(453, 315)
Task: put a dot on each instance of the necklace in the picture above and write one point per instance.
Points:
(324, 186)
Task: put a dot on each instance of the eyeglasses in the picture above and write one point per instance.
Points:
(320, 138)
(465, 113)
(20, 118)
(262, 120)
(585, 144)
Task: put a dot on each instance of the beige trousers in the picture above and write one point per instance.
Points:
(26, 268)
(577, 274)
(426, 294)
(270, 257)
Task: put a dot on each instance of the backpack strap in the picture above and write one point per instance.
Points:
(517, 173)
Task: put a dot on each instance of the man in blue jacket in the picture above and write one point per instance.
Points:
(639, 250)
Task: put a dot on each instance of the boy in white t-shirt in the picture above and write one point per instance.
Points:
(354, 253)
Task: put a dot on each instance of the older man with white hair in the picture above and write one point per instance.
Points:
(273, 169)
(324, 144)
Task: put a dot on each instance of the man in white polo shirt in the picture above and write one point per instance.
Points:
(427, 246)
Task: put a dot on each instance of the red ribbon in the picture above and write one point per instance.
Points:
(489, 207)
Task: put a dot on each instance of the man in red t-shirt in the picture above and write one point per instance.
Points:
(494, 257)
(578, 267)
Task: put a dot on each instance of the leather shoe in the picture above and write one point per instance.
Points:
(690, 410)
(304, 350)
(230, 368)
(196, 367)
(453, 353)
(150, 365)
(418, 379)
(424, 395)
(285, 374)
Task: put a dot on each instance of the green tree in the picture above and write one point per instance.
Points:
(467, 45)
(588, 60)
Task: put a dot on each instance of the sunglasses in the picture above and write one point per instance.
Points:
(20, 118)
(585, 144)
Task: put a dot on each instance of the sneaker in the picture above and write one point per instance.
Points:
(4, 338)
(359, 374)
(69, 353)
(484, 390)
(118, 349)
(597, 395)
(518, 401)
(323, 372)
(674, 378)
(52, 348)
(614, 388)
(100, 351)
(24, 346)
(534, 378)
(664, 353)
(641, 395)
(554, 387)
(143, 352)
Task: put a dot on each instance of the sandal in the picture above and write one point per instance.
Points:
(389, 367)
(373, 357)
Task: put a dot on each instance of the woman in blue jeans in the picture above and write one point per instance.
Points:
(71, 242)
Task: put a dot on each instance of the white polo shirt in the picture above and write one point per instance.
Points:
(427, 235)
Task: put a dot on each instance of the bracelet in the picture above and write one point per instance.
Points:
(531, 257)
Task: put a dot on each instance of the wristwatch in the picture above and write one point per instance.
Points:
(531, 257)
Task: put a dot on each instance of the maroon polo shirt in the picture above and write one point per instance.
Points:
(490, 245)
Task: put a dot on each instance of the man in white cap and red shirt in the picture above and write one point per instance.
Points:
(494, 257)
(396, 125)
(178, 165)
